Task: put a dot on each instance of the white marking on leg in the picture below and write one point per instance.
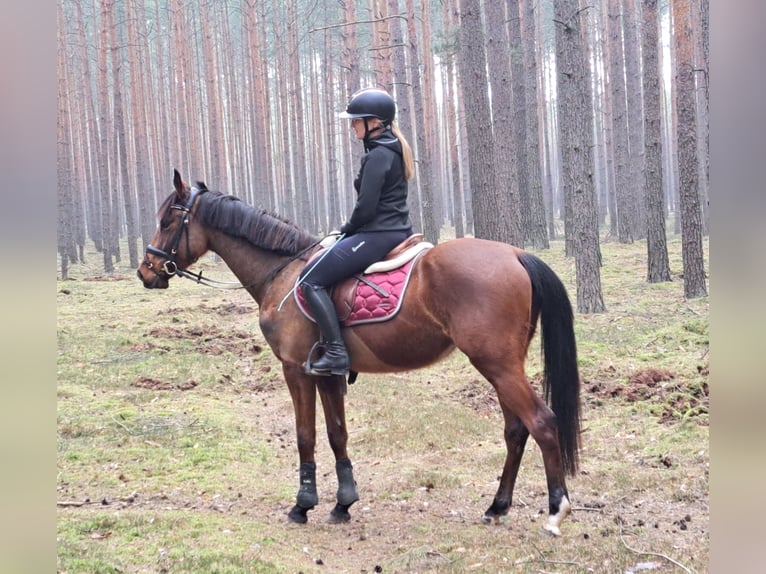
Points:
(555, 520)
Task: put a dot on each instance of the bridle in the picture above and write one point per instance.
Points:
(170, 267)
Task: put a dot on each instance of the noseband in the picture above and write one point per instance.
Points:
(170, 267)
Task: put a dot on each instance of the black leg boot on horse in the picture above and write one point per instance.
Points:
(335, 360)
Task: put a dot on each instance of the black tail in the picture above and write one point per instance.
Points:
(561, 380)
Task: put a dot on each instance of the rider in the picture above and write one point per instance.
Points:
(379, 222)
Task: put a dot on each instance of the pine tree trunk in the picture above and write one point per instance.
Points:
(430, 125)
(472, 63)
(381, 44)
(297, 121)
(619, 123)
(214, 143)
(635, 119)
(352, 82)
(403, 95)
(63, 155)
(506, 125)
(332, 218)
(425, 202)
(453, 145)
(105, 245)
(658, 266)
(259, 104)
(535, 212)
(688, 165)
(575, 122)
(141, 123)
(123, 189)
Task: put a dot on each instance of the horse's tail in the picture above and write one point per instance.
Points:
(561, 380)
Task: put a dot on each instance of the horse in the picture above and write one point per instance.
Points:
(479, 296)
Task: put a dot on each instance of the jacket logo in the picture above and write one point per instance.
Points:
(355, 247)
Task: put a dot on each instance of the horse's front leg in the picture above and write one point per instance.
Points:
(303, 392)
(332, 391)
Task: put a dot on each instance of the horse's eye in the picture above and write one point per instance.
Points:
(165, 222)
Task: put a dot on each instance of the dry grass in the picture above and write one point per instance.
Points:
(176, 448)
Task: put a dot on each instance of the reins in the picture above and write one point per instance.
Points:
(198, 278)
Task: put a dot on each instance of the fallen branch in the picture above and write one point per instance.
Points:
(543, 560)
(546, 561)
(668, 558)
(74, 503)
(103, 502)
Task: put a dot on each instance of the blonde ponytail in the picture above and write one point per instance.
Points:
(409, 163)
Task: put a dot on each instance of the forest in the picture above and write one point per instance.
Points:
(530, 120)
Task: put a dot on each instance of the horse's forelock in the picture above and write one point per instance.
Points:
(166, 205)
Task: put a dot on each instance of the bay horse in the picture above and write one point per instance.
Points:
(481, 297)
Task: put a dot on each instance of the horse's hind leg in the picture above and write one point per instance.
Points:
(303, 393)
(516, 435)
(332, 392)
(518, 400)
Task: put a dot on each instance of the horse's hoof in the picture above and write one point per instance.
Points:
(555, 520)
(490, 519)
(340, 514)
(298, 515)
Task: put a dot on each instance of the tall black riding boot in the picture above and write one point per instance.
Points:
(335, 359)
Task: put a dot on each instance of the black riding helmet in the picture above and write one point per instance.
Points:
(371, 103)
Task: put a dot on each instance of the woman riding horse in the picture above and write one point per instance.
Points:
(379, 222)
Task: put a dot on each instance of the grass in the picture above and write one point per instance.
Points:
(176, 444)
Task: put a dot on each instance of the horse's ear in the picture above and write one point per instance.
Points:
(179, 186)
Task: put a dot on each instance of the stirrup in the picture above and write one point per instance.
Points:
(307, 364)
(309, 370)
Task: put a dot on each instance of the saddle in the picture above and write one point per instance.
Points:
(375, 294)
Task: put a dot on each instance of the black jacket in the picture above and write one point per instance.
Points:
(381, 188)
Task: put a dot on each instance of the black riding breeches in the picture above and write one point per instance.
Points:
(351, 255)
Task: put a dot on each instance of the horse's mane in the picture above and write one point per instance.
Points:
(263, 229)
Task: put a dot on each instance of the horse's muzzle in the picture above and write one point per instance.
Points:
(156, 282)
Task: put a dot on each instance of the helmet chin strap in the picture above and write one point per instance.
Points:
(368, 131)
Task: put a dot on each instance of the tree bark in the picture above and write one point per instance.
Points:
(658, 265)
(64, 156)
(452, 122)
(105, 198)
(381, 52)
(688, 165)
(472, 63)
(430, 124)
(298, 121)
(619, 123)
(140, 121)
(425, 202)
(506, 125)
(534, 214)
(575, 121)
(351, 82)
(122, 186)
(635, 117)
